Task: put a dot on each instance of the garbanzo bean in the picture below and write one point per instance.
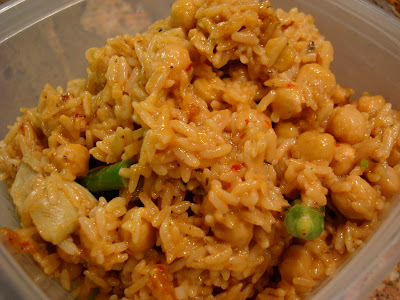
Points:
(319, 79)
(287, 103)
(174, 57)
(343, 160)
(370, 104)
(314, 146)
(238, 236)
(297, 262)
(132, 224)
(389, 182)
(347, 124)
(183, 13)
(73, 158)
(285, 130)
(359, 202)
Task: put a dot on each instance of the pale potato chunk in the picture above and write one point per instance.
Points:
(23, 185)
(54, 222)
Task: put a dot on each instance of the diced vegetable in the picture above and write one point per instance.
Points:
(106, 178)
(364, 163)
(304, 222)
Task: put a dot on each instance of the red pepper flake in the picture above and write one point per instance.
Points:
(243, 135)
(228, 186)
(161, 268)
(78, 115)
(25, 244)
(268, 123)
(291, 85)
(246, 122)
(315, 203)
(22, 127)
(286, 26)
(189, 67)
(66, 96)
(236, 168)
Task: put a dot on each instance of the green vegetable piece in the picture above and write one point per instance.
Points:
(364, 163)
(304, 222)
(106, 178)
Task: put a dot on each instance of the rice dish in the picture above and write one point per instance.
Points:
(217, 121)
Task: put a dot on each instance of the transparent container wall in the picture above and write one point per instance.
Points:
(45, 42)
(50, 47)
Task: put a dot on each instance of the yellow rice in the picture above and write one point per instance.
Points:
(229, 111)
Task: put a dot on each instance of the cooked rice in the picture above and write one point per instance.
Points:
(212, 105)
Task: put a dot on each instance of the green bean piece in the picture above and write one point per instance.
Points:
(304, 222)
(106, 178)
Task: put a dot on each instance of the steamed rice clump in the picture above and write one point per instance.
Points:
(229, 112)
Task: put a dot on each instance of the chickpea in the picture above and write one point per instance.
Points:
(175, 57)
(133, 223)
(370, 104)
(73, 158)
(359, 203)
(347, 125)
(341, 95)
(183, 14)
(296, 262)
(287, 103)
(314, 146)
(343, 160)
(238, 236)
(286, 130)
(389, 182)
(319, 79)
(208, 89)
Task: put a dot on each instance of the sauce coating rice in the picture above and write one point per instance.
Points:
(225, 116)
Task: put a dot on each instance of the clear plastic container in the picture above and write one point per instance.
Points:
(45, 41)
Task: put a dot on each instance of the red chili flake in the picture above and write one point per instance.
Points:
(189, 67)
(269, 124)
(228, 186)
(161, 268)
(78, 115)
(25, 244)
(286, 26)
(66, 96)
(315, 203)
(243, 135)
(22, 127)
(246, 122)
(291, 85)
(236, 168)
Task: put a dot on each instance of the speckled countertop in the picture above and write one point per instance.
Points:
(389, 288)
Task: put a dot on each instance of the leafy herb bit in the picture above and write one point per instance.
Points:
(310, 46)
